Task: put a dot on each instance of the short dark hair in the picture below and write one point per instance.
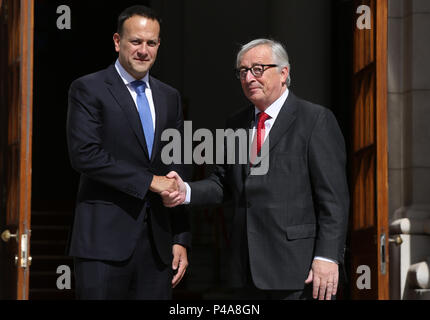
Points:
(137, 10)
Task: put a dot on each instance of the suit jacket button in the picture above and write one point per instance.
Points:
(248, 204)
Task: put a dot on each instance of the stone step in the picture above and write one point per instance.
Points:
(49, 262)
(48, 247)
(51, 294)
(52, 218)
(49, 233)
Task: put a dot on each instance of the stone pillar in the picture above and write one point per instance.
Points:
(408, 124)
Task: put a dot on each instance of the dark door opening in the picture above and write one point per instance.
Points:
(61, 56)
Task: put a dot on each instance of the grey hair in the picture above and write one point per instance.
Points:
(280, 55)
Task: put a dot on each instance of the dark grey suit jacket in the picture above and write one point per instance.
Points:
(296, 211)
(107, 147)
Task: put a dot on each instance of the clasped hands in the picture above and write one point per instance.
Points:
(171, 188)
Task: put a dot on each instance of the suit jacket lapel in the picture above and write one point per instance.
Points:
(284, 120)
(160, 105)
(122, 96)
(247, 123)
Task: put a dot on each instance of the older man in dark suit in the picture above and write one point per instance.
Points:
(290, 223)
(125, 242)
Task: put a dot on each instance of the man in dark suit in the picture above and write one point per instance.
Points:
(290, 223)
(126, 244)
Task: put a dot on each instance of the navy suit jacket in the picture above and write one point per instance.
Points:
(107, 147)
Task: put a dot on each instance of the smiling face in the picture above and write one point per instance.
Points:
(138, 45)
(263, 91)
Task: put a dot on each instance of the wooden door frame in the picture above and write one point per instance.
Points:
(26, 105)
(19, 17)
(369, 225)
(382, 142)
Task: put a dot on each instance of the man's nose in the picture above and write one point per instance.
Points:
(143, 49)
(249, 76)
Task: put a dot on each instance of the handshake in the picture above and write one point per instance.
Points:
(171, 188)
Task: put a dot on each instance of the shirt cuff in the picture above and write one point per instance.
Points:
(325, 259)
(188, 195)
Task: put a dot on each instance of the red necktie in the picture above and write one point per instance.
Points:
(259, 137)
(262, 117)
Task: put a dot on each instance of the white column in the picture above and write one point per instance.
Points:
(408, 128)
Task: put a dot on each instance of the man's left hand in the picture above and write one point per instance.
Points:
(325, 277)
(180, 262)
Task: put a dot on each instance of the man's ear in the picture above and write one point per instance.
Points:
(116, 41)
(284, 73)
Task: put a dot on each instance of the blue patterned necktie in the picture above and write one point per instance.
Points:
(144, 114)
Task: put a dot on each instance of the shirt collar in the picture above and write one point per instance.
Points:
(274, 109)
(128, 78)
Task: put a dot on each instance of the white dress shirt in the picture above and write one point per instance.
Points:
(128, 79)
(273, 111)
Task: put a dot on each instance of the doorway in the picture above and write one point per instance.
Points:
(193, 38)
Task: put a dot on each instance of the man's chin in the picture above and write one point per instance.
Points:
(254, 98)
(142, 66)
(141, 72)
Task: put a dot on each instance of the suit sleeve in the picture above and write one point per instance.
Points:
(327, 163)
(209, 191)
(180, 221)
(214, 189)
(85, 145)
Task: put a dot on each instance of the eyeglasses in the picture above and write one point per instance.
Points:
(257, 70)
